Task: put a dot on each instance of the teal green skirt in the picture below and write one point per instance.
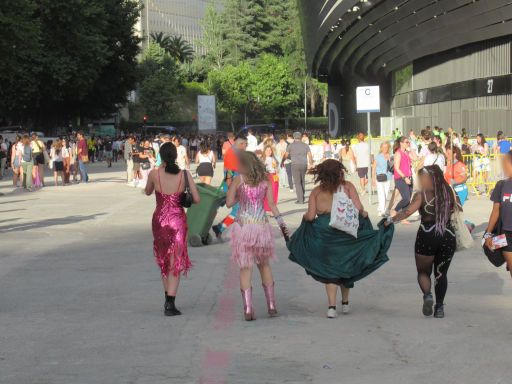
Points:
(334, 257)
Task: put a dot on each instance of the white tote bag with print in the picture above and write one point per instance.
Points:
(344, 214)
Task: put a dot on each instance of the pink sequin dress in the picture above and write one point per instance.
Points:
(252, 241)
(170, 233)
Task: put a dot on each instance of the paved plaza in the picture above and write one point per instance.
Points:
(81, 303)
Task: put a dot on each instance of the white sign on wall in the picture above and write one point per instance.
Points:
(206, 113)
(368, 99)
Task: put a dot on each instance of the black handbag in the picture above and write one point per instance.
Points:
(381, 177)
(186, 197)
(496, 257)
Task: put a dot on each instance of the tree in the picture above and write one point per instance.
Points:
(233, 87)
(20, 49)
(160, 38)
(161, 83)
(213, 39)
(275, 87)
(180, 49)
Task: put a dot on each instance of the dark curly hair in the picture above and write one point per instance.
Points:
(330, 174)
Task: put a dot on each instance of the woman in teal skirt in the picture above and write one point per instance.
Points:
(330, 256)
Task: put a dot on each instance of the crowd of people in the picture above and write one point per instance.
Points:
(336, 243)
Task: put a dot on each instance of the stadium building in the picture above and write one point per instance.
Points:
(440, 63)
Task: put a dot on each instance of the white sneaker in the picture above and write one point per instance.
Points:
(345, 309)
(331, 313)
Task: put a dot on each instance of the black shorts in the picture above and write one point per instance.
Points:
(58, 166)
(205, 170)
(508, 248)
(362, 173)
(429, 243)
(38, 159)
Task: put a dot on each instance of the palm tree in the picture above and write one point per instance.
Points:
(160, 39)
(176, 46)
(180, 49)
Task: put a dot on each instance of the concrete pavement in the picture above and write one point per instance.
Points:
(81, 302)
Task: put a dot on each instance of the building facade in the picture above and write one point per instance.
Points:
(175, 18)
(444, 63)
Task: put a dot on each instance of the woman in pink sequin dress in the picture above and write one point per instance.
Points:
(170, 223)
(252, 239)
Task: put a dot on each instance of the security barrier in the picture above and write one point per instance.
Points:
(483, 173)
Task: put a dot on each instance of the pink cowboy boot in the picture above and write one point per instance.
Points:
(248, 308)
(271, 299)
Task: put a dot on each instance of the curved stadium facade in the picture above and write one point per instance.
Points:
(440, 63)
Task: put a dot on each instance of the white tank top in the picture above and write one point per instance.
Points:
(206, 158)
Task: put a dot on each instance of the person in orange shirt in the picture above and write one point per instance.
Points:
(230, 172)
(456, 173)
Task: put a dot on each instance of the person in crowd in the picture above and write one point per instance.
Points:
(207, 161)
(137, 176)
(252, 141)
(91, 148)
(361, 158)
(82, 157)
(226, 146)
(382, 176)
(218, 146)
(66, 158)
(305, 138)
(481, 162)
(194, 146)
(435, 156)
(502, 145)
(330, 256)
(100, 148)
(435, 241)
(128, 157)
(107, 151)
(397, 134)
(280, 151)
(183, 160)
(116, 147)
(16, 154)
(169, 223)
(252, 241)
(147, 161)
(403, 173)
(300, 155)
(230, 172)
(345, 155)
(3, 156)
(73, 162)
(465, 147)
(288, 162)
(164, 138)
(57, 161)
(327, 148)
(38, 152)
(271, 166)
(456, 173)
(502, 210)
(27, 163)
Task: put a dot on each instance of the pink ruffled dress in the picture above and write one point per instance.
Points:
(252, 241)
(170, 233)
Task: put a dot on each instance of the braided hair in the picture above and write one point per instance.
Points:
(444, 199)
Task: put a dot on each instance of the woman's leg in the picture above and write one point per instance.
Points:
(424, 267)
(245, 278)
(40, 170)
(405, 192)
(331, 290)
(266, 274)
(508, 258)
(55, 177)
(381, 196)
(344, 294)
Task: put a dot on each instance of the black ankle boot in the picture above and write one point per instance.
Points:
(170, 308)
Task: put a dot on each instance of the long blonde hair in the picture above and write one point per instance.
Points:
(254, 168)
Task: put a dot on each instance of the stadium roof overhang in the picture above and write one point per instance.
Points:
(371, 38)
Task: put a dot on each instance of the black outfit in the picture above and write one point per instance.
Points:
(502, 194)
(144, 162)
(433, 250)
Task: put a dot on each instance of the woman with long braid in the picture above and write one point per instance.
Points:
(435, 241)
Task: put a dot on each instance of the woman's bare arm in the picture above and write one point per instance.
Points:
(413, 207)
(310, 215)
(231, 199)
(193, 189)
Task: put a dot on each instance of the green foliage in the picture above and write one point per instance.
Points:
(72, 58)
(177, 47)
(213, 36)
(160, 85)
